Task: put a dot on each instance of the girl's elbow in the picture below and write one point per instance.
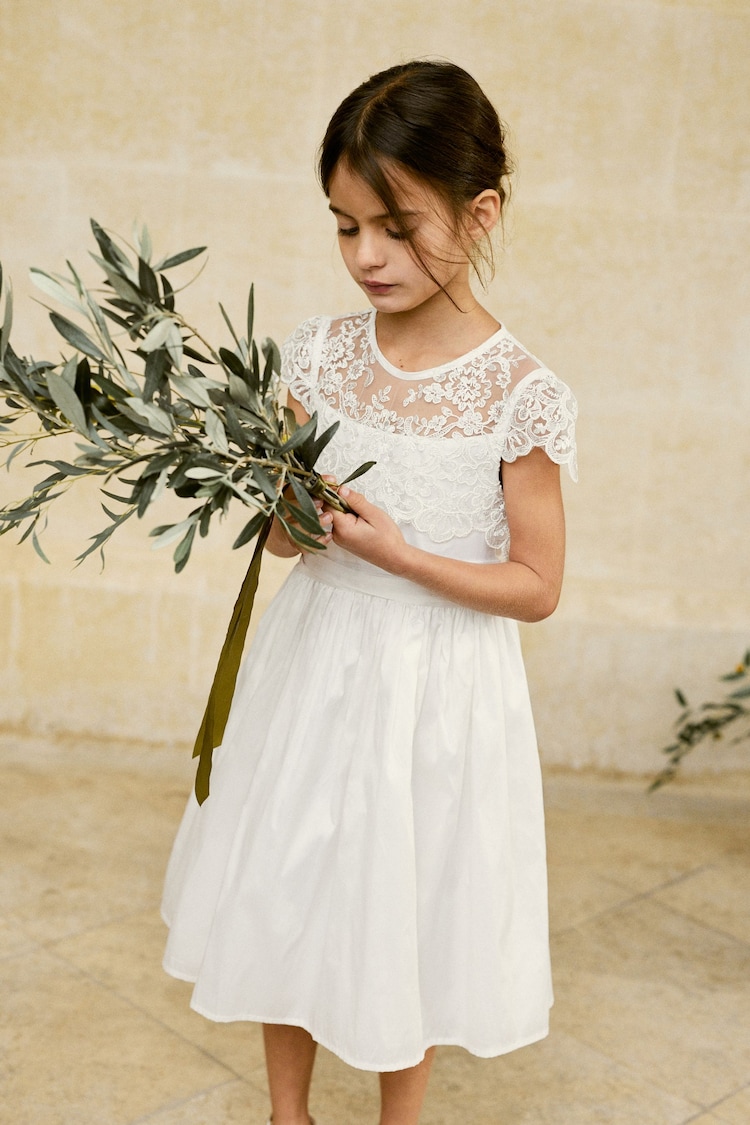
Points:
(541, 612)
(543, 605)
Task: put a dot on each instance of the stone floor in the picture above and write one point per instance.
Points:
(650, 902)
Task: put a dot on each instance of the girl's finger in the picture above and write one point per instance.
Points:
(357, 502)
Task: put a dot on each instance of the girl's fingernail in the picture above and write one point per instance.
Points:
(344, 491)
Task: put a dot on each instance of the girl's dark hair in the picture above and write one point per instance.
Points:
(431, 119)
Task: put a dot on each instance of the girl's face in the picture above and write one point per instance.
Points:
(380, 260)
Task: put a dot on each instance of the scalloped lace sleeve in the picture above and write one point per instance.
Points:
(541, 411)
(300, 360)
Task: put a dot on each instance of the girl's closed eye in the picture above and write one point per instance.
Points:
(350, 232)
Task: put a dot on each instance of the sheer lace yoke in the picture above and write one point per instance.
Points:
(462, 398)
(498, 401)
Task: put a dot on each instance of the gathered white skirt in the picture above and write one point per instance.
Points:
(370, 863)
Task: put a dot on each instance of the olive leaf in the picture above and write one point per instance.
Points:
(54, 289)
(67, 400)
(73, 334)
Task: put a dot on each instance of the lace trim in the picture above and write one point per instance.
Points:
(541, 412)
(445, 488)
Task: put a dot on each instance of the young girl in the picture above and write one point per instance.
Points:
(369, 870)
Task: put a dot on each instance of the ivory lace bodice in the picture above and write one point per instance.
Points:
(438, 436)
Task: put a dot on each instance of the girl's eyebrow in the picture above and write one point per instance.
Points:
(377, 218)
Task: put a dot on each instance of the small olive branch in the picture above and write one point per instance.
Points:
(157, 407)
(710, 720)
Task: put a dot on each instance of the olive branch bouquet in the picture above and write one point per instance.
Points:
(156, 407)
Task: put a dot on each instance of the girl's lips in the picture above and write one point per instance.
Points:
(377, 286)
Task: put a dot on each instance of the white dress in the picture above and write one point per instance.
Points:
(370, 864)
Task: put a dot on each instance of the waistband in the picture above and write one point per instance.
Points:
(351, 573)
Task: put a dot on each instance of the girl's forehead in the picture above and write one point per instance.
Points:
(349, 188)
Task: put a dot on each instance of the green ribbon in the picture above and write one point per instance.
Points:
(222, 689)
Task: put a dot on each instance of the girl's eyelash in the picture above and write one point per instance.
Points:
(349, 232)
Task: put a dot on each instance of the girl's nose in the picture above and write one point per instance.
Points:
(370, 250)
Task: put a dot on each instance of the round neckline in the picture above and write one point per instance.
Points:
(459, 361)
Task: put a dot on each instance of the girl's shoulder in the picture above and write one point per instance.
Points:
(327, 325)
(300, 347)
(538, 408)
(297, 345)
(317, 339)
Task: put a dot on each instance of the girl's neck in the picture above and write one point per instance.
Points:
(434, 333)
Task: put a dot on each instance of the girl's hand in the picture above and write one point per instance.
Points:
(281, 545)
(370, 534)
(327, 523)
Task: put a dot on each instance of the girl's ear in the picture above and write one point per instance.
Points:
(483, 214)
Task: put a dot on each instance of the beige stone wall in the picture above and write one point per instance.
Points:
(626, 271)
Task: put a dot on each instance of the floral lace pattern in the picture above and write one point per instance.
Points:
(438, 436)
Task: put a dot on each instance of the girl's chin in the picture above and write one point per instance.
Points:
(398, 301)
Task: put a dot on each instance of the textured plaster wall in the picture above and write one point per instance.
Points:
(626, 270)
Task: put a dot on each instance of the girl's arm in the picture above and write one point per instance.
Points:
(526, 587)
(278, 542)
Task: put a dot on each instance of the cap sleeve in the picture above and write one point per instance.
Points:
(300, 360)
(541, 411)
